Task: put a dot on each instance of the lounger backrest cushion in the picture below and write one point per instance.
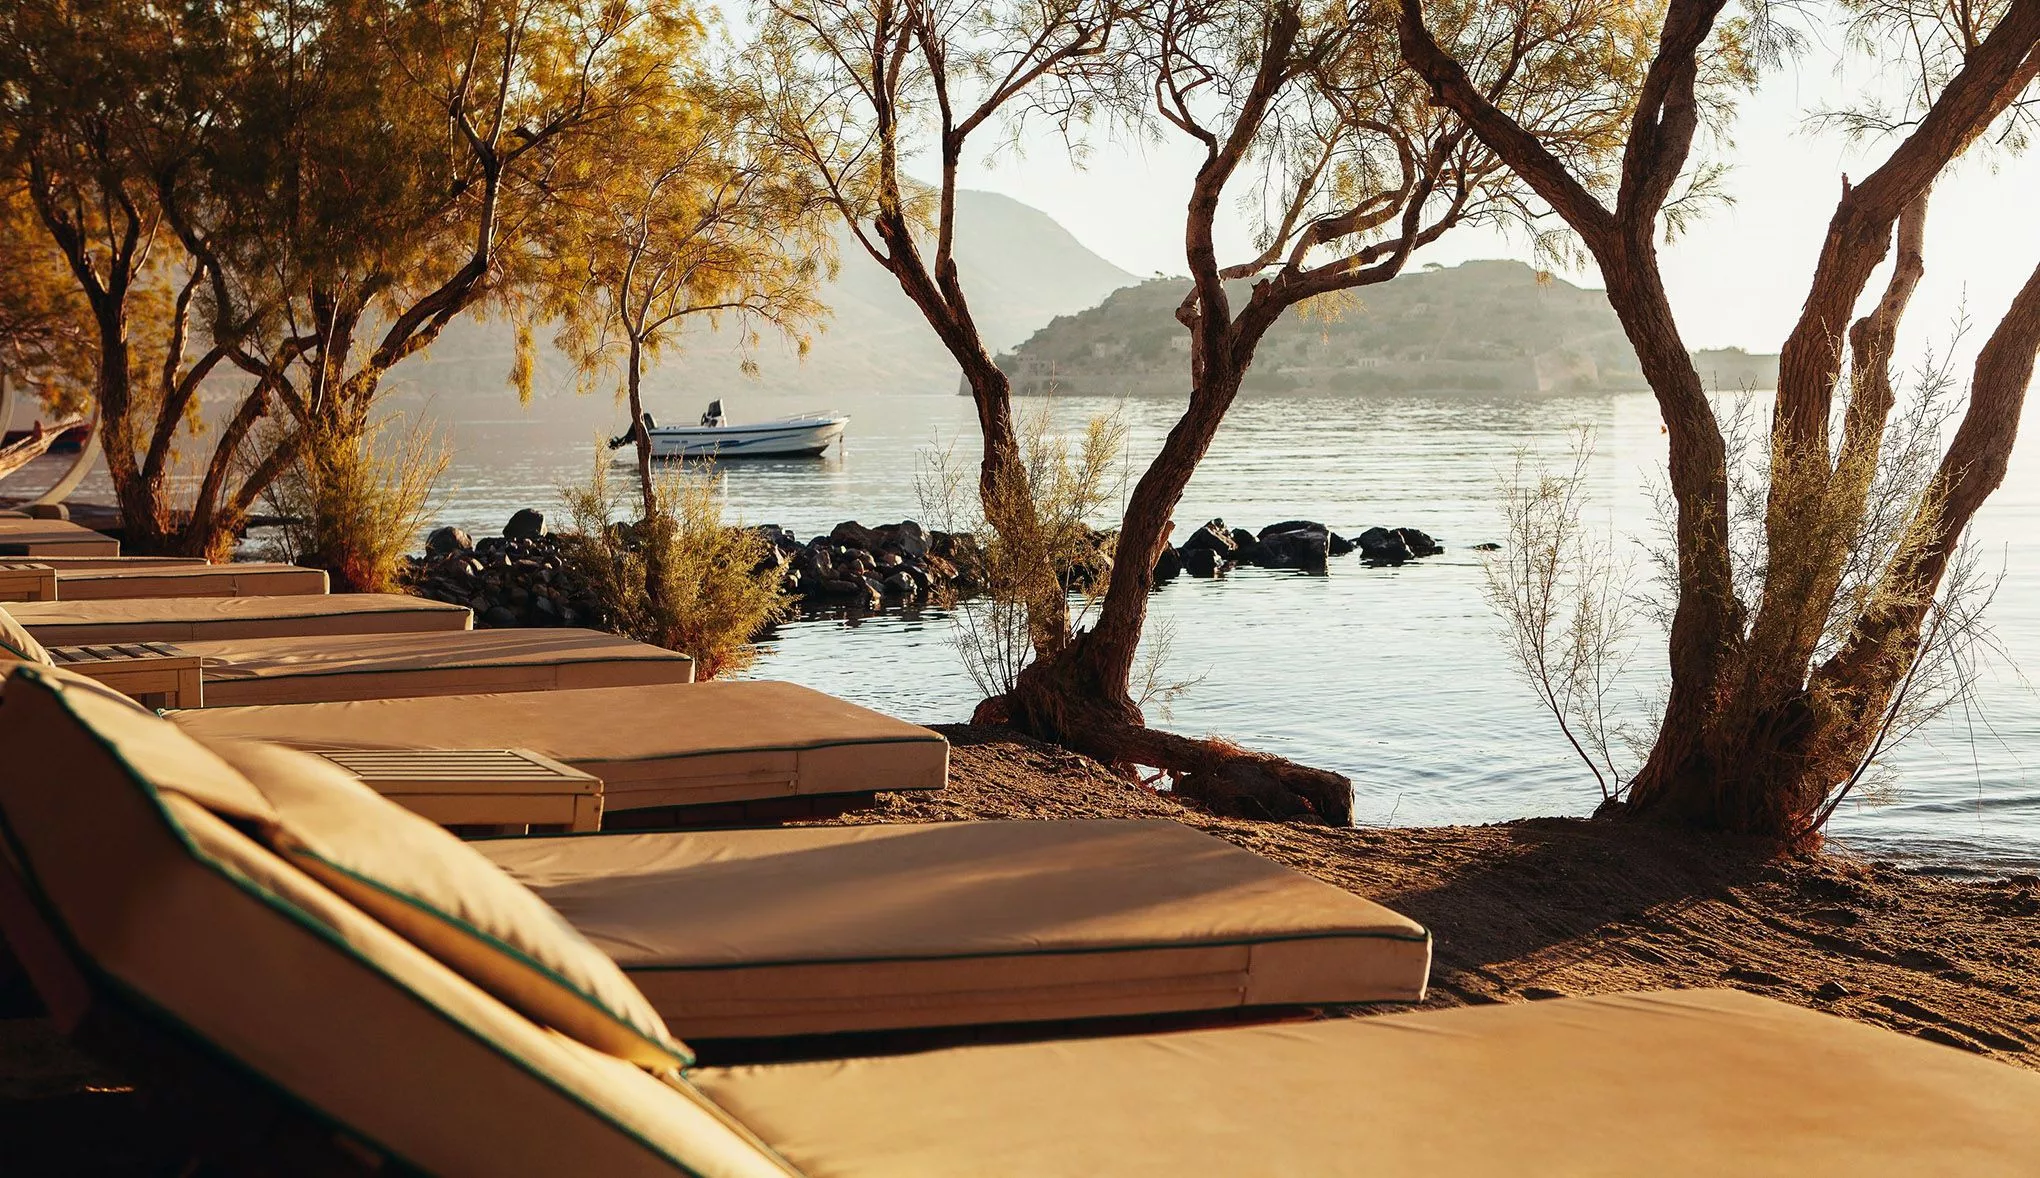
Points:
(18, 645)
(445, 898)
(196, 925)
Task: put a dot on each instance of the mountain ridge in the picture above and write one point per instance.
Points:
(1020, 267)
(1484, 327)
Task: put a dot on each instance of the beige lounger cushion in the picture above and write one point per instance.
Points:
(373, 666)
(651, 746)
(194, 580)
(39, 537)
(214, 934)
(1695, 1084)
(181, 619)
(439, 894)
(218, 937)
(783, 932)
(17, 644)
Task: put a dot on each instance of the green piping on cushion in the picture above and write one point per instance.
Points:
(685, 1057)
(318, 928)
(1422, 937)
(296, 673)
(843, 742)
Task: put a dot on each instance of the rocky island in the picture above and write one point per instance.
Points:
(1487, 327)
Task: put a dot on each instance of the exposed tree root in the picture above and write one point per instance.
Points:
(1225, 778)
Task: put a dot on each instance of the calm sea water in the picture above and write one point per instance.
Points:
(1395, 677)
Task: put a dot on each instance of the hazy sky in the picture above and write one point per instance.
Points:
(1738, 278)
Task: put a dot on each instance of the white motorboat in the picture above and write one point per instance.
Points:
(802, 436)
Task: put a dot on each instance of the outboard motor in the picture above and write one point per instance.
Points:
(631, 435)
(714, 417)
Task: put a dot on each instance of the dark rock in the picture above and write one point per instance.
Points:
(446, 541)
(1489, 546)
(1291, 525)
(527, 524)
(1202, 561)
(1381, 546)
(1337, 545)
(1293, 550)
(1212, 537)
(498, 617)
(907, 538)
(1420, 543)
(545, 608)
(1169, 565)
(901, 584)
(851, 534)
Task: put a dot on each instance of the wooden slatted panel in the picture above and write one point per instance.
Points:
(110, 652)
(423, 766)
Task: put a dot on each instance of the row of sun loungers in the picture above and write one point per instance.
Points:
(224, 882)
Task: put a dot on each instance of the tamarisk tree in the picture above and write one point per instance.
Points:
(112, 116)
(1785, 671)
(695, 220)
(1305, 103)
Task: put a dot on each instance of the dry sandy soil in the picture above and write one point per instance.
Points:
(1520, 911)
(1546, 907)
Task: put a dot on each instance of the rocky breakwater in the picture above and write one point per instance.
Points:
(869, 568)
(1291, 544)
(520, 578)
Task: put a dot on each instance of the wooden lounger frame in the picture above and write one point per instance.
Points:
(479, 787)
(158, 674)
(24, 580)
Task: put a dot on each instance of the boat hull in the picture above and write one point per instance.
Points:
(801, 438)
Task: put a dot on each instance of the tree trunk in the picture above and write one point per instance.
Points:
(1707, 623)
(1080, 696)
(140, 499)
(639, 433)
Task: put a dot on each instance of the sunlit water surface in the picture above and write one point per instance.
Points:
(1393, 676)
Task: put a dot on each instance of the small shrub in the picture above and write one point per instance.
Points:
(1028, 572)
(683, 579)
(354, 506)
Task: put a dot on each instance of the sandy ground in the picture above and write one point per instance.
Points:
(1547, 907)
(1520, 911)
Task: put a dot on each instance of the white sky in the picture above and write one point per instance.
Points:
(1737, 278)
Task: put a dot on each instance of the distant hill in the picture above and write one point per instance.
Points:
(1480, 327)
(1019, 267)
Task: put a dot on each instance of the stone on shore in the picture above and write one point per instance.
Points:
(527, 524)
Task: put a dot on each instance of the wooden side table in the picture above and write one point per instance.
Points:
(22, 580)
(158, 674)
(479, 787)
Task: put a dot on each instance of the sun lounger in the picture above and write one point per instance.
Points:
(50, 537)
(467, 662)
(132, 901)
(27, 580)
(813, 929)
(241, 579)
(653, 747)
(195, 619)
(311, 668)
(48, 579)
